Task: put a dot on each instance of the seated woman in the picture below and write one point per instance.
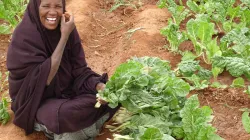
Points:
(52, 88)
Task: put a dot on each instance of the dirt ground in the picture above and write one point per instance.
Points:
(107, 43)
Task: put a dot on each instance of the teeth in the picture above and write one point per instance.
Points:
(51, 19)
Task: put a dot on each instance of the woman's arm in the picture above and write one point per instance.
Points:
(66, 29)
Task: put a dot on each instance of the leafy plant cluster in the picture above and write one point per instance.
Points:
(128, 3)
(190, 70)
(11, 12)
(218, 30)
(156, 104)
(4, 114)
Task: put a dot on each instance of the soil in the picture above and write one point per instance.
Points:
(108, 42)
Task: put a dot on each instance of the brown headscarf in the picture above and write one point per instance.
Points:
(28, 61)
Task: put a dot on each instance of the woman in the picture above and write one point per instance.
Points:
(52, 88)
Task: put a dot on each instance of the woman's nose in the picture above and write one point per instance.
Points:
(52, 11)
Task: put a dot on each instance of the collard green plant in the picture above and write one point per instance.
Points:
(172, 32)
(129, 3)
(166, 3)
(4, 114)
(247, 91)
(246, 121)
(179, 13)
(148, 89)
(216, 71)
(154, 134)
(173, 35)
(192, 5)
(162, 3)
(235, 65)
(245, 3)
(238, 39)
(154, 96)
(238, 82)
(211, 20)
(245, 17)
(196, 75)
(218, 85)
(197, 121)
(200, 32)
(150, 78)
(11, 11)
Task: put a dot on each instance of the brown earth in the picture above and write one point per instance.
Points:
(107, 43)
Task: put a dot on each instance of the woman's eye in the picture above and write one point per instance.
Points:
(58, 6)
(45, 6)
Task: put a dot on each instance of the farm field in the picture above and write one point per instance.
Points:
(110, 38)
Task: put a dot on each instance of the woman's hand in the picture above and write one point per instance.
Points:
(67, 24)
(100, 87)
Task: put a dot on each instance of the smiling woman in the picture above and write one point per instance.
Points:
(50, 13)
(52, 88)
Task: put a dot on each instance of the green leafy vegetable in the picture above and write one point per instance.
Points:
(216, 71)
(152, 134)
(246, 121)
(247, 91)
(195, 7)
(235, 65)
(188, 56)
(212, 50)
(238, 38)
(188, 67)
(4, 115)
(194, 73)
(200, 33)
(218, 85)
(173, 35)
(146, 81)
(179, 13)
(196, 121)
(148, 89)
(238, 82)
(11, 12)
(245, 17)
(162, 3)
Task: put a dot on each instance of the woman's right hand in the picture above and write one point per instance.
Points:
(67, 24)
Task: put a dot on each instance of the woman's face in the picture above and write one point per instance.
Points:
(50, 12)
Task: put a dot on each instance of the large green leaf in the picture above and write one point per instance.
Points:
(212, 50)
(233, 12)
(193, 6)
(238, 82)
(246, 121)
(238, 38)
(152, 134)
(188, 67)
(205, 32)
(235, 65)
